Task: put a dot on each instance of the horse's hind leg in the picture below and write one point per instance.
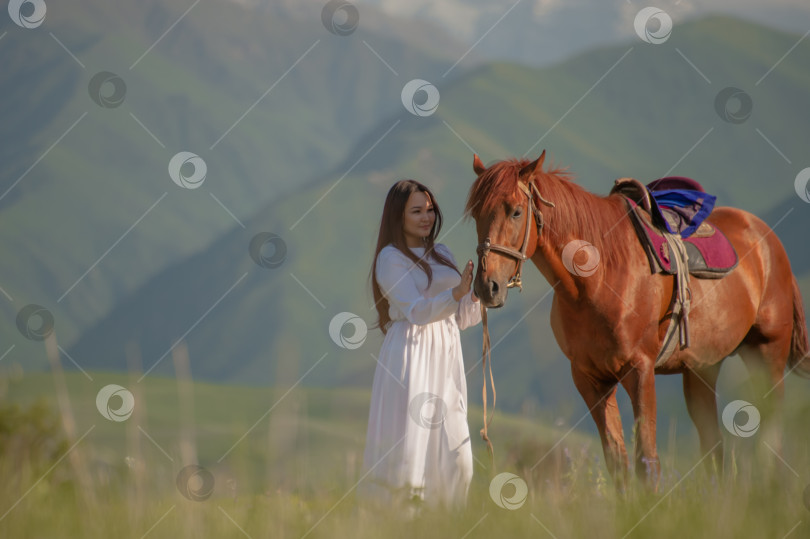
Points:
(701, 402)
(766, 362)
(601, 401)
(767, 346)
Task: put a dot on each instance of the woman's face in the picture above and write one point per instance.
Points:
(418, 219)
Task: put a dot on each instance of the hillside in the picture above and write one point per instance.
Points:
(267, 100)
(650, 113)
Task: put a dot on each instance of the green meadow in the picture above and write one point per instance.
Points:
(286, 462)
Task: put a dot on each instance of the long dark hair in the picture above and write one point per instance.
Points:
(392, 232)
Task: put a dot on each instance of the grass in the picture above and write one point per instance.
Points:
(295, 473)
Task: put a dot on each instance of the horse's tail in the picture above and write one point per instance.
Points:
(799, 360)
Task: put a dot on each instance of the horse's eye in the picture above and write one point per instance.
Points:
(518, 212)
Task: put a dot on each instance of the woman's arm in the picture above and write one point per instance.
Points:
(469, 311)
(395, 276)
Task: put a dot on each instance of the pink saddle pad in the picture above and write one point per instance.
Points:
(711, 255)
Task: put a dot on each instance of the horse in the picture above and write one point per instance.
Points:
(610, 312)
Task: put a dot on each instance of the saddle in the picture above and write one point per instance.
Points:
(669, 218)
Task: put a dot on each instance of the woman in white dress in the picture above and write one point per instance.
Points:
(418, 443)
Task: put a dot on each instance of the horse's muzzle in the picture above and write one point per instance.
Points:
(490, 292)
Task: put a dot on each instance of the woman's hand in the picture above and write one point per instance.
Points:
(466, 280)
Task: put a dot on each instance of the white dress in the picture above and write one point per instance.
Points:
(418, 440)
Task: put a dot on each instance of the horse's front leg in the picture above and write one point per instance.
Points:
(600, 398)
(640, 385)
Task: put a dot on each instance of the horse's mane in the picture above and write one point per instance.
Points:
(578, 214)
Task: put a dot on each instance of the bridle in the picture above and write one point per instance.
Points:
(484, 248)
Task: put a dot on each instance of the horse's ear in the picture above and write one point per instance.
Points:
(478, 166)
(535, 166)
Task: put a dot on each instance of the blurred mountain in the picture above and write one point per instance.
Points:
(541, 32)
(636, 110)
(100, 97)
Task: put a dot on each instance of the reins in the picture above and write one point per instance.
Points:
(483, 250)
(486, 353)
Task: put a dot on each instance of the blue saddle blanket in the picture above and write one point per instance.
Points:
(683, 209)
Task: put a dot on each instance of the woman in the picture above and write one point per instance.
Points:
(418, 442)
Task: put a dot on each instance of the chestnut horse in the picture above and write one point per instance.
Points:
(609, 313)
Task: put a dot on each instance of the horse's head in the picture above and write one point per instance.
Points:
(504, 203)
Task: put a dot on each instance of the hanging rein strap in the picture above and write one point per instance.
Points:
(483, 250)
(486, 356)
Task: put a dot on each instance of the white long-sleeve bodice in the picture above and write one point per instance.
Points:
(405, 285)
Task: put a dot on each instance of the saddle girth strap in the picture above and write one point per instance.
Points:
(681, 301)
